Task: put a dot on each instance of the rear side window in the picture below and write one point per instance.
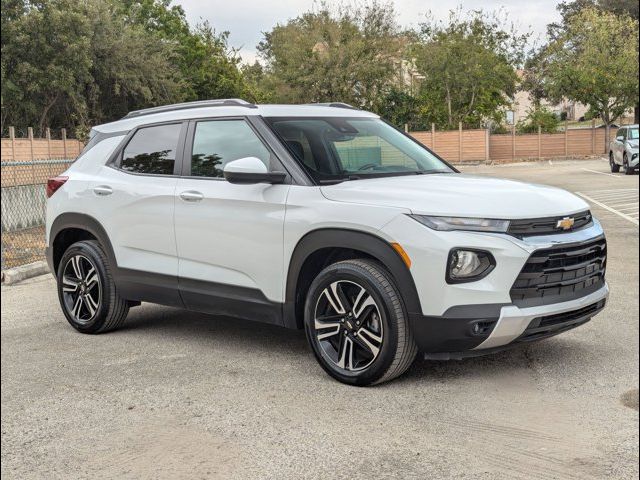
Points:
(217, 142)
(152, 150)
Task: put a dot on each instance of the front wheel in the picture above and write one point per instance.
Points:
(356, 323)
(627, 169)
(86, 289)
(615, 168)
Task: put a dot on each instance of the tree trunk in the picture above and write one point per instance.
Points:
(449, 107)
(607, 120)
(45, 112)
(636, 114)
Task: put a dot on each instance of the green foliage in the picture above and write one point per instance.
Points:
(469, 68)
(401, 108)
(541, 118)
(346, 54)
(73, 64)
(595, 62)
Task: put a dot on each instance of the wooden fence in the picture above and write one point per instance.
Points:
(481, 146)
(456, 146)
(29, 149)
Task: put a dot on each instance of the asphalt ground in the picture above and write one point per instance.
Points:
(182, 395)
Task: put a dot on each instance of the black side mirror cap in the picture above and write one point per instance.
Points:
(243, 178)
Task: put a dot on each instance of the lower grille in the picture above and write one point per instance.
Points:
(561, 273)
(546, 326)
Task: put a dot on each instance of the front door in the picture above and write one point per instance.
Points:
(229, 237)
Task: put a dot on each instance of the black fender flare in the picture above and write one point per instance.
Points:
(367, 243)
(80, 221)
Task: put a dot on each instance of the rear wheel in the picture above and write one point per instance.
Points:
(356, 323)
(86, 290)
(615, 168)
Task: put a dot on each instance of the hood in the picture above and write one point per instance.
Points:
(458, 195)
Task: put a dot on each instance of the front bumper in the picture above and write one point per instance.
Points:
(456, 334)
(633, 159)
(514, 322)
(480, 317)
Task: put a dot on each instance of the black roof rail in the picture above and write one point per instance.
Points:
(222, 102)
(335, 105)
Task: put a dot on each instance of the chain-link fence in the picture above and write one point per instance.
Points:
(23, 209)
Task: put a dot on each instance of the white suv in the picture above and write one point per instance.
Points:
(321, 217)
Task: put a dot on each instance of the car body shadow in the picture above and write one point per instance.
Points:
(291, 345)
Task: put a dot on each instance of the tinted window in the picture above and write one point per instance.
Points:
(152, 150)
(218, 142)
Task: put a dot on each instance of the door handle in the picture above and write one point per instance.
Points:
(103, 190)
(191, 196)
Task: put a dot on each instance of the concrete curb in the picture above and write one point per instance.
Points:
(23, 272)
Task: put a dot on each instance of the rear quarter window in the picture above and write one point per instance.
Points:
(152, 150)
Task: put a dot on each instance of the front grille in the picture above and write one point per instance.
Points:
(542, 327)
(561, 273)
(548, 225)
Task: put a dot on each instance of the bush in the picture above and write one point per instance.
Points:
(540, 117)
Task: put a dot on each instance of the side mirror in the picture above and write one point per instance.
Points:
(620, 138)
(251, 170)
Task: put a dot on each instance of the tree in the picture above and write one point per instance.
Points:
(567, 9)
(469, 68)
(347, 54)
(74, 64)
(587, 63)
(401, 108)
(539, 118)
(46, 58)
(209, 67)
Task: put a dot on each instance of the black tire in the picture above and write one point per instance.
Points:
(627, 169)
(615, 168)
(86, 290)
(378, 312)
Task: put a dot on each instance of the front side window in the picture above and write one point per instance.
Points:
(217, 142)
(633, 134)
(335, 148)
(152, 150)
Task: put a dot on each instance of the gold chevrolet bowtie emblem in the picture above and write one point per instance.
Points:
(566, 223)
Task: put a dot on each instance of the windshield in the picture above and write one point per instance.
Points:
(336, 148)
(633, 134)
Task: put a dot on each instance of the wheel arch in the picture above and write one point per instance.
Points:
(68, 227)
(328, 245)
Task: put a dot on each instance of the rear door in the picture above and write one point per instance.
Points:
(135, 202)
(229, 237)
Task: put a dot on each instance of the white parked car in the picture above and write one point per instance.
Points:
(321, 217)
(623, 150)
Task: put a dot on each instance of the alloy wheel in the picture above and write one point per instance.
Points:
(81, 288)
(348, 325)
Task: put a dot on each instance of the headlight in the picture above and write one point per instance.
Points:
(466, 265)
(461, 223)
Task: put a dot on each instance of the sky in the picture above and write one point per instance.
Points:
(246, 20)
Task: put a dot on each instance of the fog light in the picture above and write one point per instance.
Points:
(467, 265)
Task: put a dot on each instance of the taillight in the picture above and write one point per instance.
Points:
(53, 184)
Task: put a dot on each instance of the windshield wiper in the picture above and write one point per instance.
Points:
(335, 181)
(430, 172)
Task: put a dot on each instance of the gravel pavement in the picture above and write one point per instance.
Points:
(182, 395)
